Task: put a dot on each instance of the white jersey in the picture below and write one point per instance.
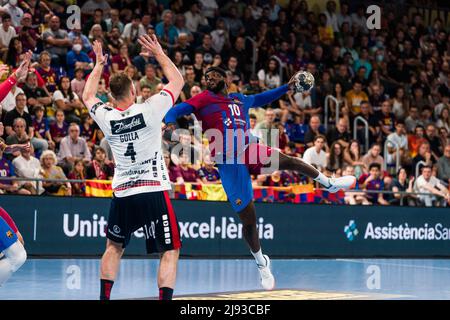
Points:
(135, 139)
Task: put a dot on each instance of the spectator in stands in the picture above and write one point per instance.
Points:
(56, 41)
(374, 182)
(97, 18)
(335, 159)
(386, 120)
(68, 101)
(76, 33)
(78, 173)
(121, 60)
(433, 138)
(18, 112)
(435, 192)
(15, 53)
(188, 174)
(98, 169)
(27, 35)
(7, 32)
(47, 73)
(315, 154)
(353, 197)
(373, 156)
(207, 173)
(266, 129)
(353, 157)
(269, 77)
(413, 120)
(444, 119)
(36, 96)
(166, 31)
(174, 173)
(189, 83)
(195, 19)
(443, 166)
(16, 13)
(423, 155)
(88, 130)
(59, 129)
(400, 104)
(355, 97)
(78, 59)
(72, 148)
(114, 21)
(19, 126)
(340, 133)
(146, 92)
(49, 170)
(77, 84)
(398, 140)
(314, 129)
(7, 170)
(27, 166)
(150, 79)
(403, 184)
(133, 31)
(41, 127)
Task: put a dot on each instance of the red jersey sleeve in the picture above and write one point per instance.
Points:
(8, 220)
(199, 101)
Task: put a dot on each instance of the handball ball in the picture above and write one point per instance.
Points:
(304, 81)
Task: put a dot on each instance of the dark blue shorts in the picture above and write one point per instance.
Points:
(7, 235)
(237, 184)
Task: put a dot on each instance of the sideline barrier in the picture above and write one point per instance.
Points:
(75, 226)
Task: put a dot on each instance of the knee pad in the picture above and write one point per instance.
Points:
(16, 255)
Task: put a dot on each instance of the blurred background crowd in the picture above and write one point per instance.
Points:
(379, 109)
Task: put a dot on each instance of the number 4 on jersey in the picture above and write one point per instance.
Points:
(130, 152)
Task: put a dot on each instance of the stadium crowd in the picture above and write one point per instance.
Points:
(396, 78)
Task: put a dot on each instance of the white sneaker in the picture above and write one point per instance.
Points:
(267, 279)
(345, 183)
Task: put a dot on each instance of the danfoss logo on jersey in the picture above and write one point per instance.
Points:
(128, 124)
(223, 228)
(404, 231)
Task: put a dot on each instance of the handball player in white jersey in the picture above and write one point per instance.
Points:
(140, 180)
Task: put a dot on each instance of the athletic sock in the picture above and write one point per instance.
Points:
(260, 260)
(105, 289)
(323, 180)
(5, 270)
(165, 293)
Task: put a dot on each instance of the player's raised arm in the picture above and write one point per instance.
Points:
(18, 75)
(171, 72)
(268, 96)
(91, 87)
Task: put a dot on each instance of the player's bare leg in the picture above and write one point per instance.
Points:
(109, 267)
(167, 273)
(296, 164)
(250, 232)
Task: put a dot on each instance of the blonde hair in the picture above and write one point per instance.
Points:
(47, 153)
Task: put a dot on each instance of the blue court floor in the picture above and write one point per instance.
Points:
(237, 279)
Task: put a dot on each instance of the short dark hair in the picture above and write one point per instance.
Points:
(216, 69)
(145, 87)
(320, 136)
(120, 85)
(6, 16)
(252, 116)
(375, 165)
